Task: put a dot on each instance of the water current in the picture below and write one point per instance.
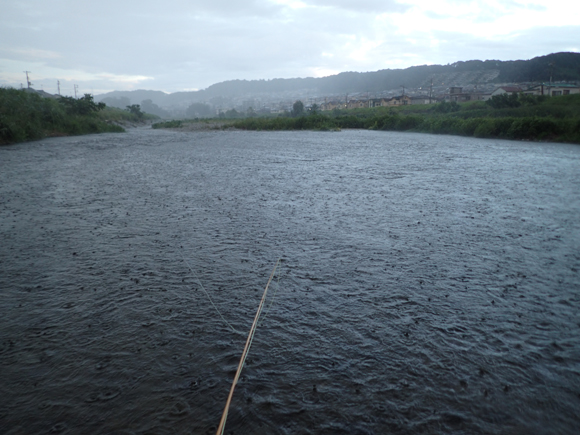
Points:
(429, 284)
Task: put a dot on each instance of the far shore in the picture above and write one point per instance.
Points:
(204, 125)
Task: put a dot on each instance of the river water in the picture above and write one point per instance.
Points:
(428, 284)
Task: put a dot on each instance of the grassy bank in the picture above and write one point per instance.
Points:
(196, 124)
(517, 118)
(26, 116)
(168, 124)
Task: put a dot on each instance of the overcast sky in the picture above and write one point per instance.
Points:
(177, 45)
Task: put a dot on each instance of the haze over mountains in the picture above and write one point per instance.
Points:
(476, 73)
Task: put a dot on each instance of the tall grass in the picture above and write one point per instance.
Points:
(26, 116)
(168, 124)
(313, 122)
(553, 119)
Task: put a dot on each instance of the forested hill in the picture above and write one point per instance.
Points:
(566, 66)
(562, 66)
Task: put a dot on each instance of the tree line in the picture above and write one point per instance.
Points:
(25, 115)
(516, 116)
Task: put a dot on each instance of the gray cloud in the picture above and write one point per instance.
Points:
(436, 16)
(518, 45)
(193, 44)
(377, 6)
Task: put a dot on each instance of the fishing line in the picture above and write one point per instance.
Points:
(273, 297)
(209, 297)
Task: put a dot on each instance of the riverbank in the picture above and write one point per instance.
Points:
(26, 116)
(517, 118)
(196, 125)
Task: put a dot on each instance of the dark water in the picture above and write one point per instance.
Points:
(430, 284)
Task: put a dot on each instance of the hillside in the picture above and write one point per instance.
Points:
(562, 66)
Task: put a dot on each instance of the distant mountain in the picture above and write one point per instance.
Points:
(135, 97)
(561, 66)
(41, 93)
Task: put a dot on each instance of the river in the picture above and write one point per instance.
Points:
(428, 284)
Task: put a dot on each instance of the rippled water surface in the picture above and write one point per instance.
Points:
(429, 284)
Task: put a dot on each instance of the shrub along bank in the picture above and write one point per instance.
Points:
(516, 117)
(28, 116)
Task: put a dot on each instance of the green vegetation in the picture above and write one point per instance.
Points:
(198, 110)
(297, 108)
(26, 116)
(518, 117)
(168, 124)
(312, 122)
(119, 103)
(148, 106)
(135, 110)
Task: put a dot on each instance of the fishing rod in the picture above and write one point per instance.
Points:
(249, 340)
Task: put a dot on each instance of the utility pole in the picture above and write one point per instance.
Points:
(76, 89)
(551, 72)
(27, 79)
(403, 86)
(58, 86)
